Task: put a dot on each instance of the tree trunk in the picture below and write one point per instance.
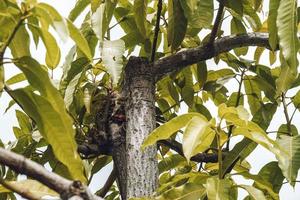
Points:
(142, 171)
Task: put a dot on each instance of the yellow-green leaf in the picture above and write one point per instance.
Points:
(52, 49)
(287, 32)
(177, 24)
(218, 189)
(80, 41)
(140, 13)
(32, 187)
(49, 112)
(169, 128)
(197, 137)
(255, 193)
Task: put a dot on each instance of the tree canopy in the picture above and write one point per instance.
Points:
(177, 102)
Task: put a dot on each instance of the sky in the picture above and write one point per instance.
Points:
(260, 156)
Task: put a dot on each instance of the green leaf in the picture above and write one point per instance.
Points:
(78, 9)
(170, 162)
(218, 188)
(287, 32)
(177, 24)
(16, 79)
(237, 27)
(53, 51)
(80, 41)
(256, 194)
(169, 128)
(201, 73)
(20, 45)
(97, 21)
(262, 184)
(296, 100)
(251, 16)
(48, 111)
(291, 165)
(284, 130)
(112, 53)
(254, 94)
(31, 187)
(197, 137)
(199, 13)
(272, 174)
(23, 121)
(55, 20)
(140, 13)
(101, 17)
(2, 78)
(236, 6)
(188, 191)
(272, 27)
(187, 91)
(285, 80)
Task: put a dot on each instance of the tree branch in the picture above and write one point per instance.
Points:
(200, 157)
(217, 22)
(156, 31)
(182, 59)
(64, 187)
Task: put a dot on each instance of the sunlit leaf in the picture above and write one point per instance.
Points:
(218, 188)
(287, 32)
(112, 52)
(256, 194)
(197, 137)
(291, 165)
(49, 113)
(31, 187)
(80, 41)
(169, 128)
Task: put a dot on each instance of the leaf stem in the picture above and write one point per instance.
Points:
(236, 105)
(220, 157)
(286, 114)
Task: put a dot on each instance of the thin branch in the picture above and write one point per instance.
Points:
(200, 157)
(10, 38)
(182, 59)
(156, 30)
(236, 105)
(294, 112)
(217, 22)
(110, 181)
(64, 187)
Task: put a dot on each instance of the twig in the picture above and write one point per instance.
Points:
(200, 157)
(236, 105)
(156, 30)
(217, 22)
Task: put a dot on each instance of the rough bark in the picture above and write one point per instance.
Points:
(142, 171)
(191, 56)
(66, 188)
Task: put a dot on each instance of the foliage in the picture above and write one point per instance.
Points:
(53, 119)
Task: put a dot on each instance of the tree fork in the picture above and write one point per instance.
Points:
(142, 170)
